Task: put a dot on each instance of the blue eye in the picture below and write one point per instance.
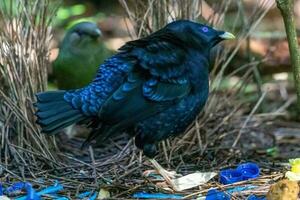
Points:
(204, 29)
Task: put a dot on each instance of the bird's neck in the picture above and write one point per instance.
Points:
(198, 72)
(199, 77)
(80, 50)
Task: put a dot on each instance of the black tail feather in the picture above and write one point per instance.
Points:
(50, 113)
(57, 118)
(55, 127)
(44, 106)
(54, 113)
(51, 96)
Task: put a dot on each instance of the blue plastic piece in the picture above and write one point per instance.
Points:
(84, 194)
(214, 194)
(242, 172)
(1, 190)
(145, 195)
(249, 170)
(15, 187)
(253, 197)
(31, 194)
(241, 188)
(48, 190)
(62, 198)
(229, 176)
(93, 197)
(51, 189)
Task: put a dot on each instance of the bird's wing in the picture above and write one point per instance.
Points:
(158, 79)
(165, 61)
(110, 76)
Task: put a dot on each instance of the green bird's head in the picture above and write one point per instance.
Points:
(80, 54)
(80, 37)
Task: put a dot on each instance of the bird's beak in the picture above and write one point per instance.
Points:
(96, 33)
(227, 36)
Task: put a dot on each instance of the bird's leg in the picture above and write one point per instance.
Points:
(165, 174)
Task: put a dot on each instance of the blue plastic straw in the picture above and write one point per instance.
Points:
(1, 190)
(32, 195)
(145, 195)
(84, 194)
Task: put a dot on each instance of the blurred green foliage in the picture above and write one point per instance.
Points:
(9, 6)
(273, 152)
(67, 16)
(11, 9)
(64, 13)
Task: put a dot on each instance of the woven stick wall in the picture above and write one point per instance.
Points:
(25, 36)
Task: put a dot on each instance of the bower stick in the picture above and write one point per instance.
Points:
(286, 8)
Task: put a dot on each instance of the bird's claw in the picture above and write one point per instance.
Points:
(171, 174)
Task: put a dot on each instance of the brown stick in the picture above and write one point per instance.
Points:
(286, 8)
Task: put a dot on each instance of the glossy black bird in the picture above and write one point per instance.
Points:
(153, 88)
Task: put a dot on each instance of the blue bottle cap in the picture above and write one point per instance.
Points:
(214, 194)
(249, 170)
(229, 176)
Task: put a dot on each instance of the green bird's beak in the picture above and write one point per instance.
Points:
(95, 33)
(227, 36)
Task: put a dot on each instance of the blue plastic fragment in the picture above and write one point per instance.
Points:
(51, 189)
(145, 195)
(242, 172)
(93, 197)
(241, 188)
(62, 198)
(249, 170)
(1, 189)
(253, 197)
(84, 194)
(214, 194)
(15, 187)
(31, 194)
(229, 176)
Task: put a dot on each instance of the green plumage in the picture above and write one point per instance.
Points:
(80, 54)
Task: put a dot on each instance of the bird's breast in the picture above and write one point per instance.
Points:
(173, 120)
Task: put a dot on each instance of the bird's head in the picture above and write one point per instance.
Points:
(82, 35)
(196, 35)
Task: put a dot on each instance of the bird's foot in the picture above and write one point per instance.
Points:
(171, 174)
(167, 175)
